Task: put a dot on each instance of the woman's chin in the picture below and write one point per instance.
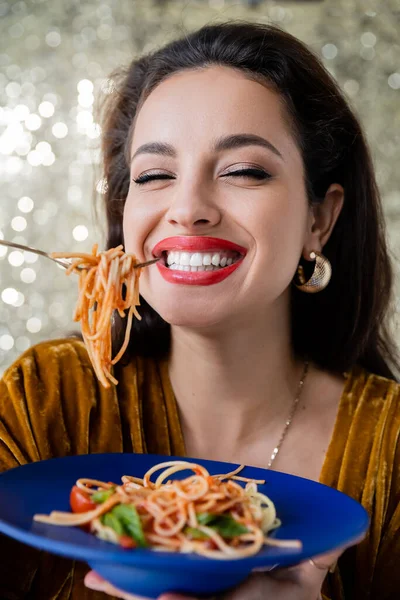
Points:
(191, 317)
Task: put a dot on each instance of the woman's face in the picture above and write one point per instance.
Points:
(216, 177)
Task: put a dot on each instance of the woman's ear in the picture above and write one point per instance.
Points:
(323, 217)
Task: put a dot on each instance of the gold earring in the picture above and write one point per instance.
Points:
(320, 276)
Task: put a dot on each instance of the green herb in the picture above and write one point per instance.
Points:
(206, 518)
(110, 520)
(195, 533)
(225, 525)
(130, 520)
(102, 495)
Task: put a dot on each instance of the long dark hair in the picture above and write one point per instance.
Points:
(346, 323)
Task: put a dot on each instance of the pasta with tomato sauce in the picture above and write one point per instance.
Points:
(210, 515)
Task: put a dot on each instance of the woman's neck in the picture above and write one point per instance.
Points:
(233, 387)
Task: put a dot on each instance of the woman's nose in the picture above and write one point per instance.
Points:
(192, 209)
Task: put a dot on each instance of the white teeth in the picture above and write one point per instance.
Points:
(185, 259)
(196, 260)
(215, 260)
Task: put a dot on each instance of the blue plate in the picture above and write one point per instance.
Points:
(321, 517)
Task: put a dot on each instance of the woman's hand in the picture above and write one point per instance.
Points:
(302, 582)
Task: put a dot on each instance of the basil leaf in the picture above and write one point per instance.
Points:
(195, 534)
(128, 516)
(110, 520)
(225, 525)
(102, 495)
(206, 518)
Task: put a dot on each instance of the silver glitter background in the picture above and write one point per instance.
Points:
(55, 58)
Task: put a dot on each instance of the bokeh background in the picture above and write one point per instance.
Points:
(55, 61)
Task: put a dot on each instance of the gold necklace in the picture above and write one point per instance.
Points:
(291, 415)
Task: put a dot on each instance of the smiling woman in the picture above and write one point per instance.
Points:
(232, 156)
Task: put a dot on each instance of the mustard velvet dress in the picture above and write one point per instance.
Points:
(51, 405)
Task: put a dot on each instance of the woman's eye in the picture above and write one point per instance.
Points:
(146, 177)
(251, 173)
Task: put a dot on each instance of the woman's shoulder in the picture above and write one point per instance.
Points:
(42, 358)
(369, 391)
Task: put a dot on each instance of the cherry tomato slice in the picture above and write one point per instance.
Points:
(80, 501)
(126, 541)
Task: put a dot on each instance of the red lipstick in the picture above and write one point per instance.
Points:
(197, 244)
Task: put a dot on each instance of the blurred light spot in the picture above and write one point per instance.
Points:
(56, 310)
(10, 137)
(104, 31)
(85, 100)
(25, 204)
(18, 223)
(33, 122)
(6, 342)
(43, 147)
(394, 81)
(368, 39)
(13, 89)
(85, 86)
(329, 51)
(34, 324)
(93, 131)
(16, 258)
(80, 233)
(46, 109)
(50, 97)
(28, 275)
(3, 251)
(14, 165)
(21, 111)
(351, 86)
(59, 130)
(48, 159)
(30, 257)
(40, 217)
(9, 296)
(74, 194)
(53, 39)
(34, 158)
(22, 343)
(84, 118)
(367, 53)
(277, 13)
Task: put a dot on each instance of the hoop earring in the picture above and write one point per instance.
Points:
(321, 275)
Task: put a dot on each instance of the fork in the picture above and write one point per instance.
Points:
(63, 262)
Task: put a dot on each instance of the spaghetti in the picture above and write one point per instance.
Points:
(210, 515)
(108, 281)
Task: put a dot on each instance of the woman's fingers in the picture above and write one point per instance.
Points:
(94, 581)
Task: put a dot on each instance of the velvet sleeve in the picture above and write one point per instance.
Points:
(48, 398)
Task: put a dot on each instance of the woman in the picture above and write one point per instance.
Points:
(232, 155)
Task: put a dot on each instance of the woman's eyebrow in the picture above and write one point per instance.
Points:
(238, 140)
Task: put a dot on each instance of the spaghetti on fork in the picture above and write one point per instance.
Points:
(108, 281)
